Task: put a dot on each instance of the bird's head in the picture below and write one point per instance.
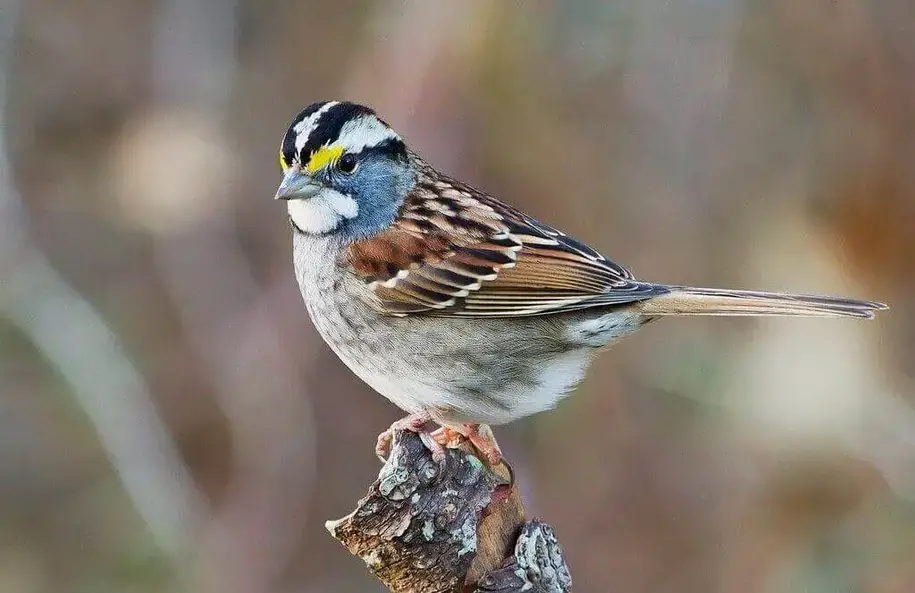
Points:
(345, 171)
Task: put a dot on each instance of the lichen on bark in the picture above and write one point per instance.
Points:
(453, 526)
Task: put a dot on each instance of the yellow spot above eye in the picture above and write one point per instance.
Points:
(283, 164)
(323, 157)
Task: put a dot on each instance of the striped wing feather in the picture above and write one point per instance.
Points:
(454, 251)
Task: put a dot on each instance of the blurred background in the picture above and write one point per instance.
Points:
(170, 421)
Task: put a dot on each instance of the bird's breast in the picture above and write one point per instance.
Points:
(462, 370)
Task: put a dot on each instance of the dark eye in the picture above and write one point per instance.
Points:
(347, 164)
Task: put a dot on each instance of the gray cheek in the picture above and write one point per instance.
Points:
(379, 191)
(372, 218)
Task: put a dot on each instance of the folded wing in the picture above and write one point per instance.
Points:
(454, 251)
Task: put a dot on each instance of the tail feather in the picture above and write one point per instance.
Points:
(685, 300)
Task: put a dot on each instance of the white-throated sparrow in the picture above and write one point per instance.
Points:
(458, 308)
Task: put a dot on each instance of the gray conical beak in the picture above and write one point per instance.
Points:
(297, 186)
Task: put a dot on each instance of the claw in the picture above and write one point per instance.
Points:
(439, 454)
(383, 445)
(418, 423)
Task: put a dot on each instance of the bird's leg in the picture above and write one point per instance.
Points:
(418, 422)
(485, 441)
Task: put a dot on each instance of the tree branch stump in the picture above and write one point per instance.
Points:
(458, 526)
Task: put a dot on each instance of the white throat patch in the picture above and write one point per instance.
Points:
(322, 213)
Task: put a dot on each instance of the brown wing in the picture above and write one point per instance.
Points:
(454, 251)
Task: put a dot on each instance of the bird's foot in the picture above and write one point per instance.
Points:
(437, 440)
(420, 423)
(480, 435)
(448, 437)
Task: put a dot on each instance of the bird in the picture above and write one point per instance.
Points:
(460, 309)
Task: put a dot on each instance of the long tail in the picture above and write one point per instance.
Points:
(686, 300)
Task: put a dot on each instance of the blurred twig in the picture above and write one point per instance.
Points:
(76, 340)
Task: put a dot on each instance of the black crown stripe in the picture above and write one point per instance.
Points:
(288, 147)
(329, 125)
(327, 129)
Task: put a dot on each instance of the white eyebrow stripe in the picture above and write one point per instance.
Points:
(364, 132)
(304, 128)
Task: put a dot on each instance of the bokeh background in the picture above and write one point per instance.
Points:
(170, 421)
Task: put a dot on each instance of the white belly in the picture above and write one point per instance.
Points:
(474, 399)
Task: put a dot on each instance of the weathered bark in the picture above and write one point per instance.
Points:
(458, 526)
